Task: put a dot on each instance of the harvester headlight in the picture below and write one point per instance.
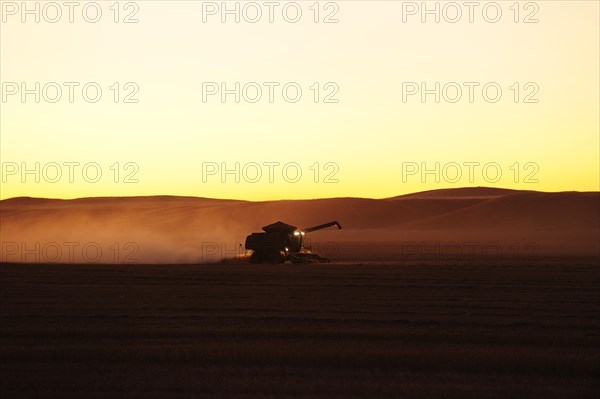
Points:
(286, 249)
(296, 233)
(302, 232)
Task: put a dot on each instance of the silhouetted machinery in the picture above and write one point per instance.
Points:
(281, 242)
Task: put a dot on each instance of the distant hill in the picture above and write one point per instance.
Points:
(463, 192)
(152, 199)
(171, 228)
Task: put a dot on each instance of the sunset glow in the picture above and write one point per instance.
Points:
(367, 144)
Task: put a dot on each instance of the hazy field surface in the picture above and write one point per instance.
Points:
(329, 331)
(176, 230)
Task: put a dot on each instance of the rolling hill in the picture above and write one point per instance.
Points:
(169, 229)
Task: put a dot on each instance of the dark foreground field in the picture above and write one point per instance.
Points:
(335, 331)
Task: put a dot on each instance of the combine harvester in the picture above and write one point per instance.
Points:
(281, 242)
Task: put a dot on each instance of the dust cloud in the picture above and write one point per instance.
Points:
(456, 225)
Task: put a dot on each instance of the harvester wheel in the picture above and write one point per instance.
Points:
(275, 257)
(256, 257)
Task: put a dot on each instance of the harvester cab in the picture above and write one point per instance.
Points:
(281, 242)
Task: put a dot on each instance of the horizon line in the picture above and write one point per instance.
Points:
(294, 199)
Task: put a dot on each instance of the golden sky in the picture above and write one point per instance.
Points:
(370, 142)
